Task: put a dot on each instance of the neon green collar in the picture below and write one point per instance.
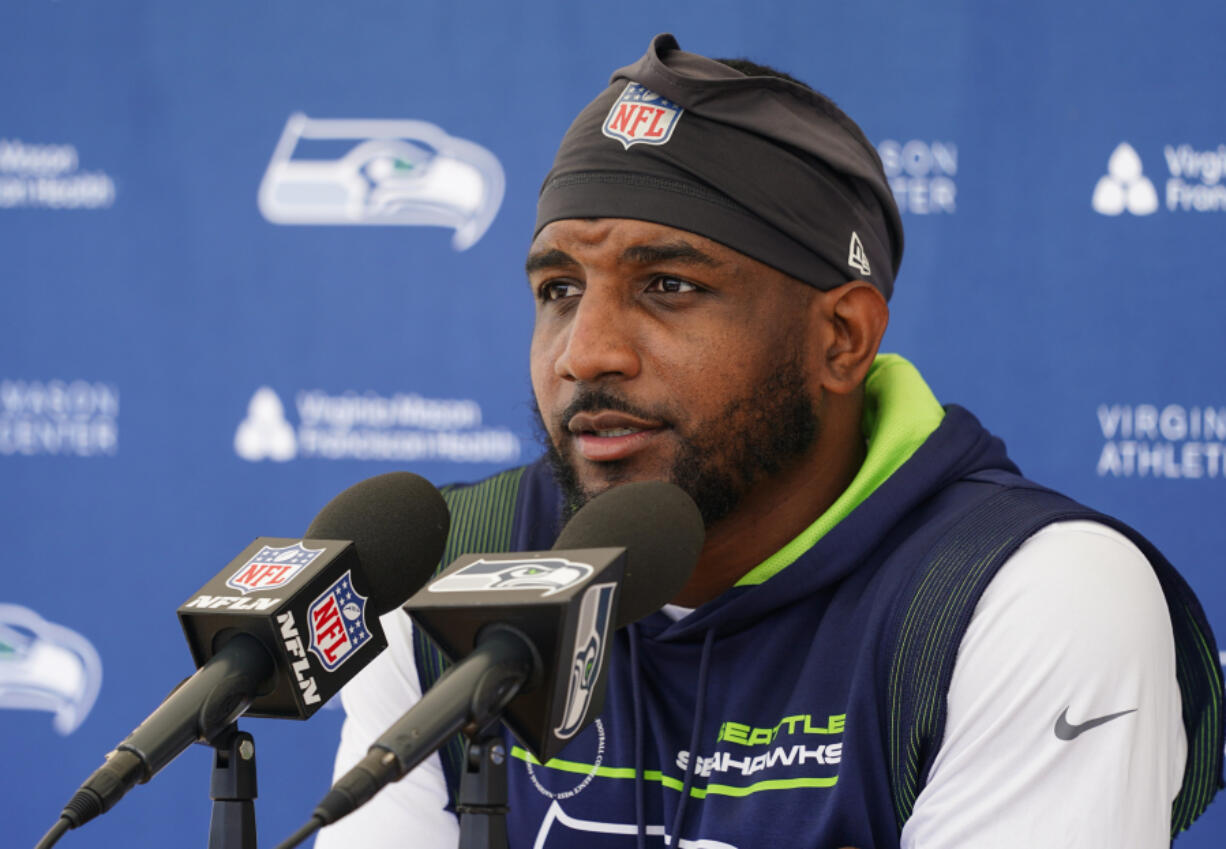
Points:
(900, 412)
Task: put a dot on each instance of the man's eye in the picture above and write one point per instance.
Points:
(671, 285)
(556, 290)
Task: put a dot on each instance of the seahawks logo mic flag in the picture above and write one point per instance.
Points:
(625, 554)
(563, 602)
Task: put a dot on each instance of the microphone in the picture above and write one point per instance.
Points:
(286, 624)
(532, 629)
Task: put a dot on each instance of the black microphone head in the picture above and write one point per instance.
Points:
(660, 528)
(398, 523)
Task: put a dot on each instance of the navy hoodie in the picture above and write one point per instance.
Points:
(805, 710)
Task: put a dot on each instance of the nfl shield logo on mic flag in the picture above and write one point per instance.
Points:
(640, 116)
(272, 567)
(338, 623)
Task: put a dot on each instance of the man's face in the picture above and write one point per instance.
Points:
(660, 355)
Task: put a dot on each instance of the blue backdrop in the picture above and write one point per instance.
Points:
(252, 253)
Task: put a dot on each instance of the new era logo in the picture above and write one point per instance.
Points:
(856, 257)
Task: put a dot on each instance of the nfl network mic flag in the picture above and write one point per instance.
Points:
(302, 596)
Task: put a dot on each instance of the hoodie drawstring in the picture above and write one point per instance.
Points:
(635, 694)
(703, 665)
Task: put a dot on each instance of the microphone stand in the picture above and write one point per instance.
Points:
(233, 790)
(482, 803)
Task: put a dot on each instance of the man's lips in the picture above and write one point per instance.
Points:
(611, 435)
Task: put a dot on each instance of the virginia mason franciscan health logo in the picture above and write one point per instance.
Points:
(640, 116)
(49, 176)
(397, 172)
(1195, 181)
(403, 427)
(1124, 186)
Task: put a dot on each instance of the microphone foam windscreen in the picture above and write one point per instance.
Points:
(398, 522)
(660, 528)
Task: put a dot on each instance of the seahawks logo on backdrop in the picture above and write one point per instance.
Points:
(383, 172)
(45, 666)
(552, 574)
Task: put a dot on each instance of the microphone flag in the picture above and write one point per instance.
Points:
(564, 601)
(304, 600)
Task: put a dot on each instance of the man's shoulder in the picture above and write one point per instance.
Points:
(492, 481)
(511, 510)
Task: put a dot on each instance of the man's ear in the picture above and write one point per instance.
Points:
(854, 316)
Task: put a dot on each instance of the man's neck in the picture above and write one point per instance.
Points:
(776, 510)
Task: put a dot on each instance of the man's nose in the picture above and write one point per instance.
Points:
(600, 341)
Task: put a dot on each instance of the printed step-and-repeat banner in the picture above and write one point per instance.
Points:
(253, 253)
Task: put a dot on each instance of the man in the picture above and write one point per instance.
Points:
(891, 638)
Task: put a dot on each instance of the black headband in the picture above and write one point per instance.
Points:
(760, 164)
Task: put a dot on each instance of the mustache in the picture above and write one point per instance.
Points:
(593, 399)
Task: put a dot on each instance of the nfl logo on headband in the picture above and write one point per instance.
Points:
(640, 116)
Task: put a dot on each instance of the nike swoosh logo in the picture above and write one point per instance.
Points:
(1067, 731)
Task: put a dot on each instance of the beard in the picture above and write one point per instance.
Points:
(718, 460)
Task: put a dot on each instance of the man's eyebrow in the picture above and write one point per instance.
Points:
(678, 251)
(550, 259)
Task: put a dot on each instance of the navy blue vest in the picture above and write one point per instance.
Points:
(810, 707)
